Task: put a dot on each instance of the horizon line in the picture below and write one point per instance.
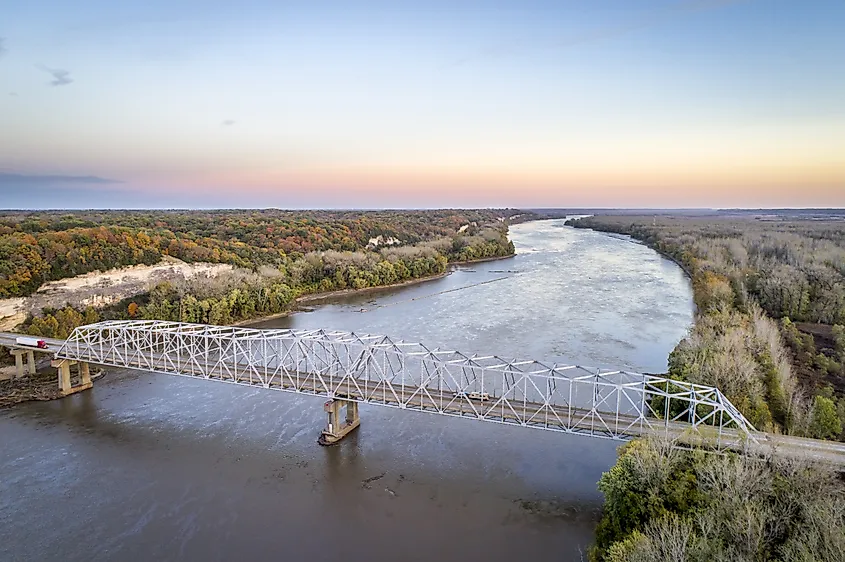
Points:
(370, 209)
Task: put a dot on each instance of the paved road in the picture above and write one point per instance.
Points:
(9, 340)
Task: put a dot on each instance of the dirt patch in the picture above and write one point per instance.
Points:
(822, 334)
(824, 343)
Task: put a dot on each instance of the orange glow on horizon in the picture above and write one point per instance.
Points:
(785, 184)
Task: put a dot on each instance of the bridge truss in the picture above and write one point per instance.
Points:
(379, 370)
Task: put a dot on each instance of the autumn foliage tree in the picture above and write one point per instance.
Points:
(36, 247)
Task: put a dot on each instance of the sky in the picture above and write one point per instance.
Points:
(460, 103)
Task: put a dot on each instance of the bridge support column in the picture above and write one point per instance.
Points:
(339, 426)
(65, 386)
(64, 377)
(18, 363)
(24, 367)
(84, 374)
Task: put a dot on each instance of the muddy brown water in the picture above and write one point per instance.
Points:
(154, 467)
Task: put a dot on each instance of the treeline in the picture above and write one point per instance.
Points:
(245, 294)
(663, 504)
(744, 272)
(792, 268)
(47, 246)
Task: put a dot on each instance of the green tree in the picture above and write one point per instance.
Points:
(825, 422)
(839, 341)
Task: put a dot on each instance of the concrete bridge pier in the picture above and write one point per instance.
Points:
(339, 426)
(24, 368)
(63, 366)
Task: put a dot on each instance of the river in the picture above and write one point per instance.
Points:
(154, 467)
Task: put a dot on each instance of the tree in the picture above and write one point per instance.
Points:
(713, 292)
(825, 422)
(839, 339)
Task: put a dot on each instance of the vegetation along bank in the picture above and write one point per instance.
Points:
(278, 256)
(770, 298)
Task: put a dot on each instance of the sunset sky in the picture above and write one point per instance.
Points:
(608, 103)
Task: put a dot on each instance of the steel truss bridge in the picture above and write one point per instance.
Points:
(379, 370)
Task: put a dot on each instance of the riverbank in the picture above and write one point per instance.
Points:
(40, 386)
(316, 297)
(482, 260)
(319, 297)
(720, 306)
(633, 240)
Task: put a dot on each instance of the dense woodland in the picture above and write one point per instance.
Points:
(36, 247)
(668, 505)
(273, 251)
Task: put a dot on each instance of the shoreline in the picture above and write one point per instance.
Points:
(695, 311)
(641, 243)
(482, 260)
(317, 297)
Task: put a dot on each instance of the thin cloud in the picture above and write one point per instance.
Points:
(35, 179)
(60, 77)
(227, 123)
(13, 94)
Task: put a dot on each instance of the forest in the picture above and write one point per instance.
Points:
(770, 304)
(36, 247)
(663, 504)
(273, 253)
(770, 298)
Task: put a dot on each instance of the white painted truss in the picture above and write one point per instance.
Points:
(380, 370)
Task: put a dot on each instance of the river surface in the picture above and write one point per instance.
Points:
(153, 467)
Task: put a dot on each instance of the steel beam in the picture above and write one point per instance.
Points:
(376, 369)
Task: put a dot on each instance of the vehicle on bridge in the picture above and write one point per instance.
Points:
(31, 342)
(481, 396)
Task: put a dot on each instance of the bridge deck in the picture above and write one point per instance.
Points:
(567, 420)
(376, 370)
(8, 340)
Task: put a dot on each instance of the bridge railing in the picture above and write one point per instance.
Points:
(380, 370)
